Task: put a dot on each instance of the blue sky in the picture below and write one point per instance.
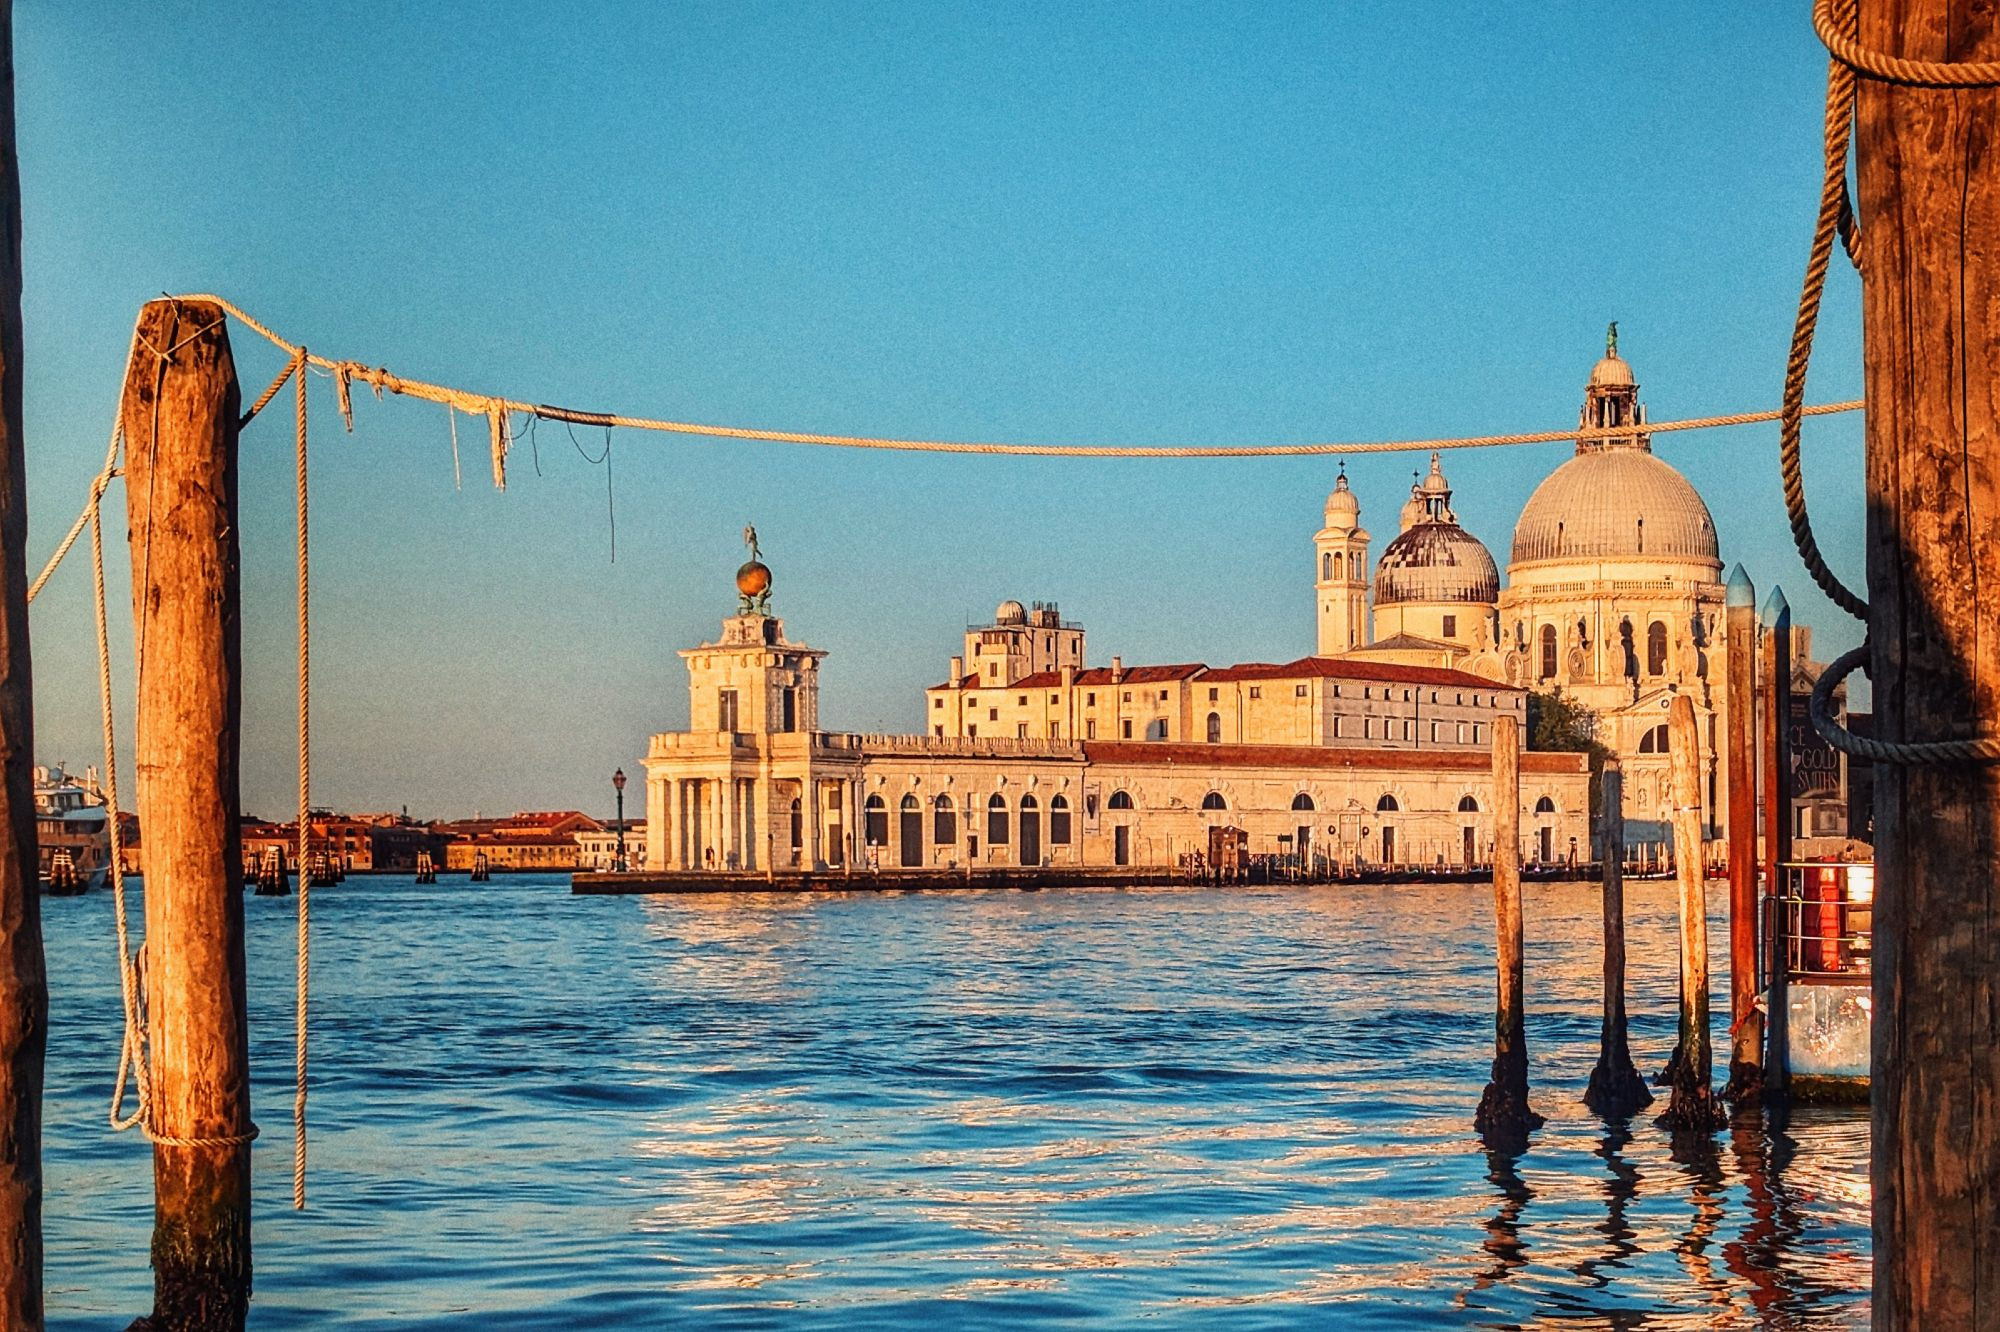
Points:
(1077, 224)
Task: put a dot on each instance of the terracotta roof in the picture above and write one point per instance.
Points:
(1101, 675)
(1337, 668)
(1134, 754)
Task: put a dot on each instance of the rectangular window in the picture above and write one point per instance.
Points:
(1090, 699)
(1367, 691)
(1475, 733)
(971, 732)
(1021, 730)
(1163, 696)
(1460, 698)
(1298, 691)
(790, 706)
(938, 731)
(1410, 731)
(1367, 728)
(937, 702)
(992, 670)
(1055, 730)
(1451, 626)
(1336, 691)
(1256, 691)
(1090, 729)
(1022, 701)
(725, 707)
(1055, 698)
(1214, 694)
(1336, 728)
(1461, 733)
(972, 702)
(1128, 696)
(1434, 732)
(992, 714)
(1125, 729)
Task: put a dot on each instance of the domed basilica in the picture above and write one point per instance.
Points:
(1613, 593)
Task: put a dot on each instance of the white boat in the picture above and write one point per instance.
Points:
(72, 831)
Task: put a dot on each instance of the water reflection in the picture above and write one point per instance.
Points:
(1248, 1108)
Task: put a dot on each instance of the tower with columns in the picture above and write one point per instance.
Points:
(1341, 550)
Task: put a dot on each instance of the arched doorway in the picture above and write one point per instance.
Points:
(798, 831)
(1121, 830)
(875, 824)
(1468, 851)
(1388, 804)
(911, 833)
(1031, 831)
(1302, 833)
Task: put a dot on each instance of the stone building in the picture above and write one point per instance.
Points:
(1034, 758)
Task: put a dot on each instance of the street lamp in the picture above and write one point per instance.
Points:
(618, 785)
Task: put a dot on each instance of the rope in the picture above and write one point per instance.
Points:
(1833, 21)
(1833, 206)
(1982, 749)
(496, 410)
(304, 992)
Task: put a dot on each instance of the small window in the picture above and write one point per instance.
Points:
(1021, 702)
(1475, 734)
(937, 702)
(1127, 696)
(1125, 729)
(1163, 696)
(972, 701)
(1214, 694)
(1020, 730)
(971, 731)
(1214, 800)
(1368, 691)
(1545, 806)
(1467, 805)
(992, 714)
(1451, 626)
(938, 730)
(1119, 800)
(1090, 729)
(1090, 699)
(1336, 691)
(1298, 691)
(1156, 729)
(1055, 730)
(992, 669)
(1256, 691)
(1055, 698)
(1336, 728)
(1368, 728)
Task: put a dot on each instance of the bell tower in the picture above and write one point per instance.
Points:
(1340, 552)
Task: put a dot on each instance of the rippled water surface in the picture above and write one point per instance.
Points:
(1191, 1108)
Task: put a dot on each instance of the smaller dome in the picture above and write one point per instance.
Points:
(1614, 371)
(753, 579)
(1342, 508)
(1436, 563)
(1010, 612)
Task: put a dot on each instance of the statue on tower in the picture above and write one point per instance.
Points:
(753, 580)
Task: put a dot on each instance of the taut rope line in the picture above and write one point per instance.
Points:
(303, 980)
(497, 409)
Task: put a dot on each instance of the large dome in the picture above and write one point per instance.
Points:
(1615, 503)
(1436, 562)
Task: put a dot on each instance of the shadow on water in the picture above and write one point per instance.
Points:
(1503, 1243)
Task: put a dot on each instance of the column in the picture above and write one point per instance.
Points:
(809, 799)
(725, 809)
(656, 823)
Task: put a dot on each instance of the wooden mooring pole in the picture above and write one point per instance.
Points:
(180, 421)
(1776, 762)
(1746, 1023)
(1928, 168)
(1691, 1102)
(24, 991)
(1503, 1116)
(1616, 1090)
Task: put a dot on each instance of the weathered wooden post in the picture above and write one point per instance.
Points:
(1928, 166)
(24, 991)
(180, 421)
(1616, 1089)
(1746, 1023)
(1777, 777)
(1503, 1116)
(1691, 1102)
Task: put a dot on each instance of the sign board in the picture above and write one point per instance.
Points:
(1815, 763)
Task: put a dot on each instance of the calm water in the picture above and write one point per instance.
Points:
(1197, 1109)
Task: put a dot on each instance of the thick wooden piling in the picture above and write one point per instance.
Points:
(1775, 760)
(24, 991)
(1691, 1102)
(1928, 168)
(1746, 1022)
(1504, 1117)
(1616, 1089)
(180, 421)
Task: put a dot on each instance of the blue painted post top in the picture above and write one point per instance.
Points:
(1740, 592)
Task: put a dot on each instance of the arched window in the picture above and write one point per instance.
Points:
(1545, 806)
(875, 824)
(1326, 568)
(1215, 728)
(909, 803)
(1303, 801)
(1654, 741)
(1058, 821)
(1120, 800)
(798, 825)
(1339, 566)
(1387, 804)
(1656, 648)
(910, 831)
(996, 820)
(1156, 729)
(1028, 802)
(944, 822)
(1467, 805)
(1548, 652)
(1214, 800)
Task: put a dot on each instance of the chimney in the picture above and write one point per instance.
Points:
(957, 670)
(1117, 669)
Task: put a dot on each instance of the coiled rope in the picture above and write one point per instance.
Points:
(1835, 22)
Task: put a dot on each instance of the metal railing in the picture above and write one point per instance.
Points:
(1821, 928)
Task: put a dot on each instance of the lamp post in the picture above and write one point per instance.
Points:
(618, 785)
